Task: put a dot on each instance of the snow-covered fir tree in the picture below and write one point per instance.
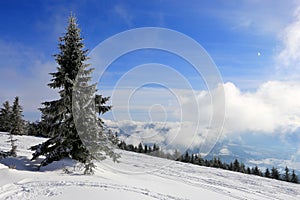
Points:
(75, 130)
(17, 121)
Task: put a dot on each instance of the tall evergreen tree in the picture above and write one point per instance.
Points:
(84, 140)
(17, 122)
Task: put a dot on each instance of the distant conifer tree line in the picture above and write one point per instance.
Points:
(196, 159)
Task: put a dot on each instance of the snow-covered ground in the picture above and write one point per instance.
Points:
(136, 177)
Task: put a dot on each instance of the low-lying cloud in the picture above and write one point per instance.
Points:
(273, 109)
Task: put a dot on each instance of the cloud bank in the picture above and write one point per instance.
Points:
(273, 109)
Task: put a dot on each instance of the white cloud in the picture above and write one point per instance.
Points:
(288, 58)
(292, 164)
(25, 74)
(225, 151)
(273, 109)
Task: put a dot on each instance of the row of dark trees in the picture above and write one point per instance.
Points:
(240, 167)
(12, 121)
(216, 162)
(11, 118)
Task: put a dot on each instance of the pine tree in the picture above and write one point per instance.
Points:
(5, 117)
(248, 171)
(187, 157)
(242, 168)
(81, 138)
(140, 148)
(287, 174)
(236, 165)
(13, 150)
(294, 178)
(192, 159)
(267, 173)
(17, 122)
(275, 173)
(256, 171)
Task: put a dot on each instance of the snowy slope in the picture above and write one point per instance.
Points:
(136, 177)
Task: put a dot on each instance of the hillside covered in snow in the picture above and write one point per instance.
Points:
(136, 176)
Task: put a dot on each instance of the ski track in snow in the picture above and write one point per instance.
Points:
(248, 189)
(34, 190)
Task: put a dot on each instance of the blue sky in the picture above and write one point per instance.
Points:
(254, 44)
(232, 32)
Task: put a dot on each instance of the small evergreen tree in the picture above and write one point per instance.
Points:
(192, 159)
(294, 178)
(287, 174)
(242, 168)
(236, 165)
(13, 150)
(122, 145)
(140, 148)
(230, 167)
(155, 147)
(267, 173)
(5, 117)
(275, 173)
(248, 170)
(187, 157)
(256, 171)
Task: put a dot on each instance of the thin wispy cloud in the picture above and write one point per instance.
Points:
(124, 14)
(288, 57)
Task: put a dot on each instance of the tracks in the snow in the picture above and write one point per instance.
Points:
(35, 189)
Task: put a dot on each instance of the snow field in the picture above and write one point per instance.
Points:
(136, 177)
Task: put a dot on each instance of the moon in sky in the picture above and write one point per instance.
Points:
(258, 53)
